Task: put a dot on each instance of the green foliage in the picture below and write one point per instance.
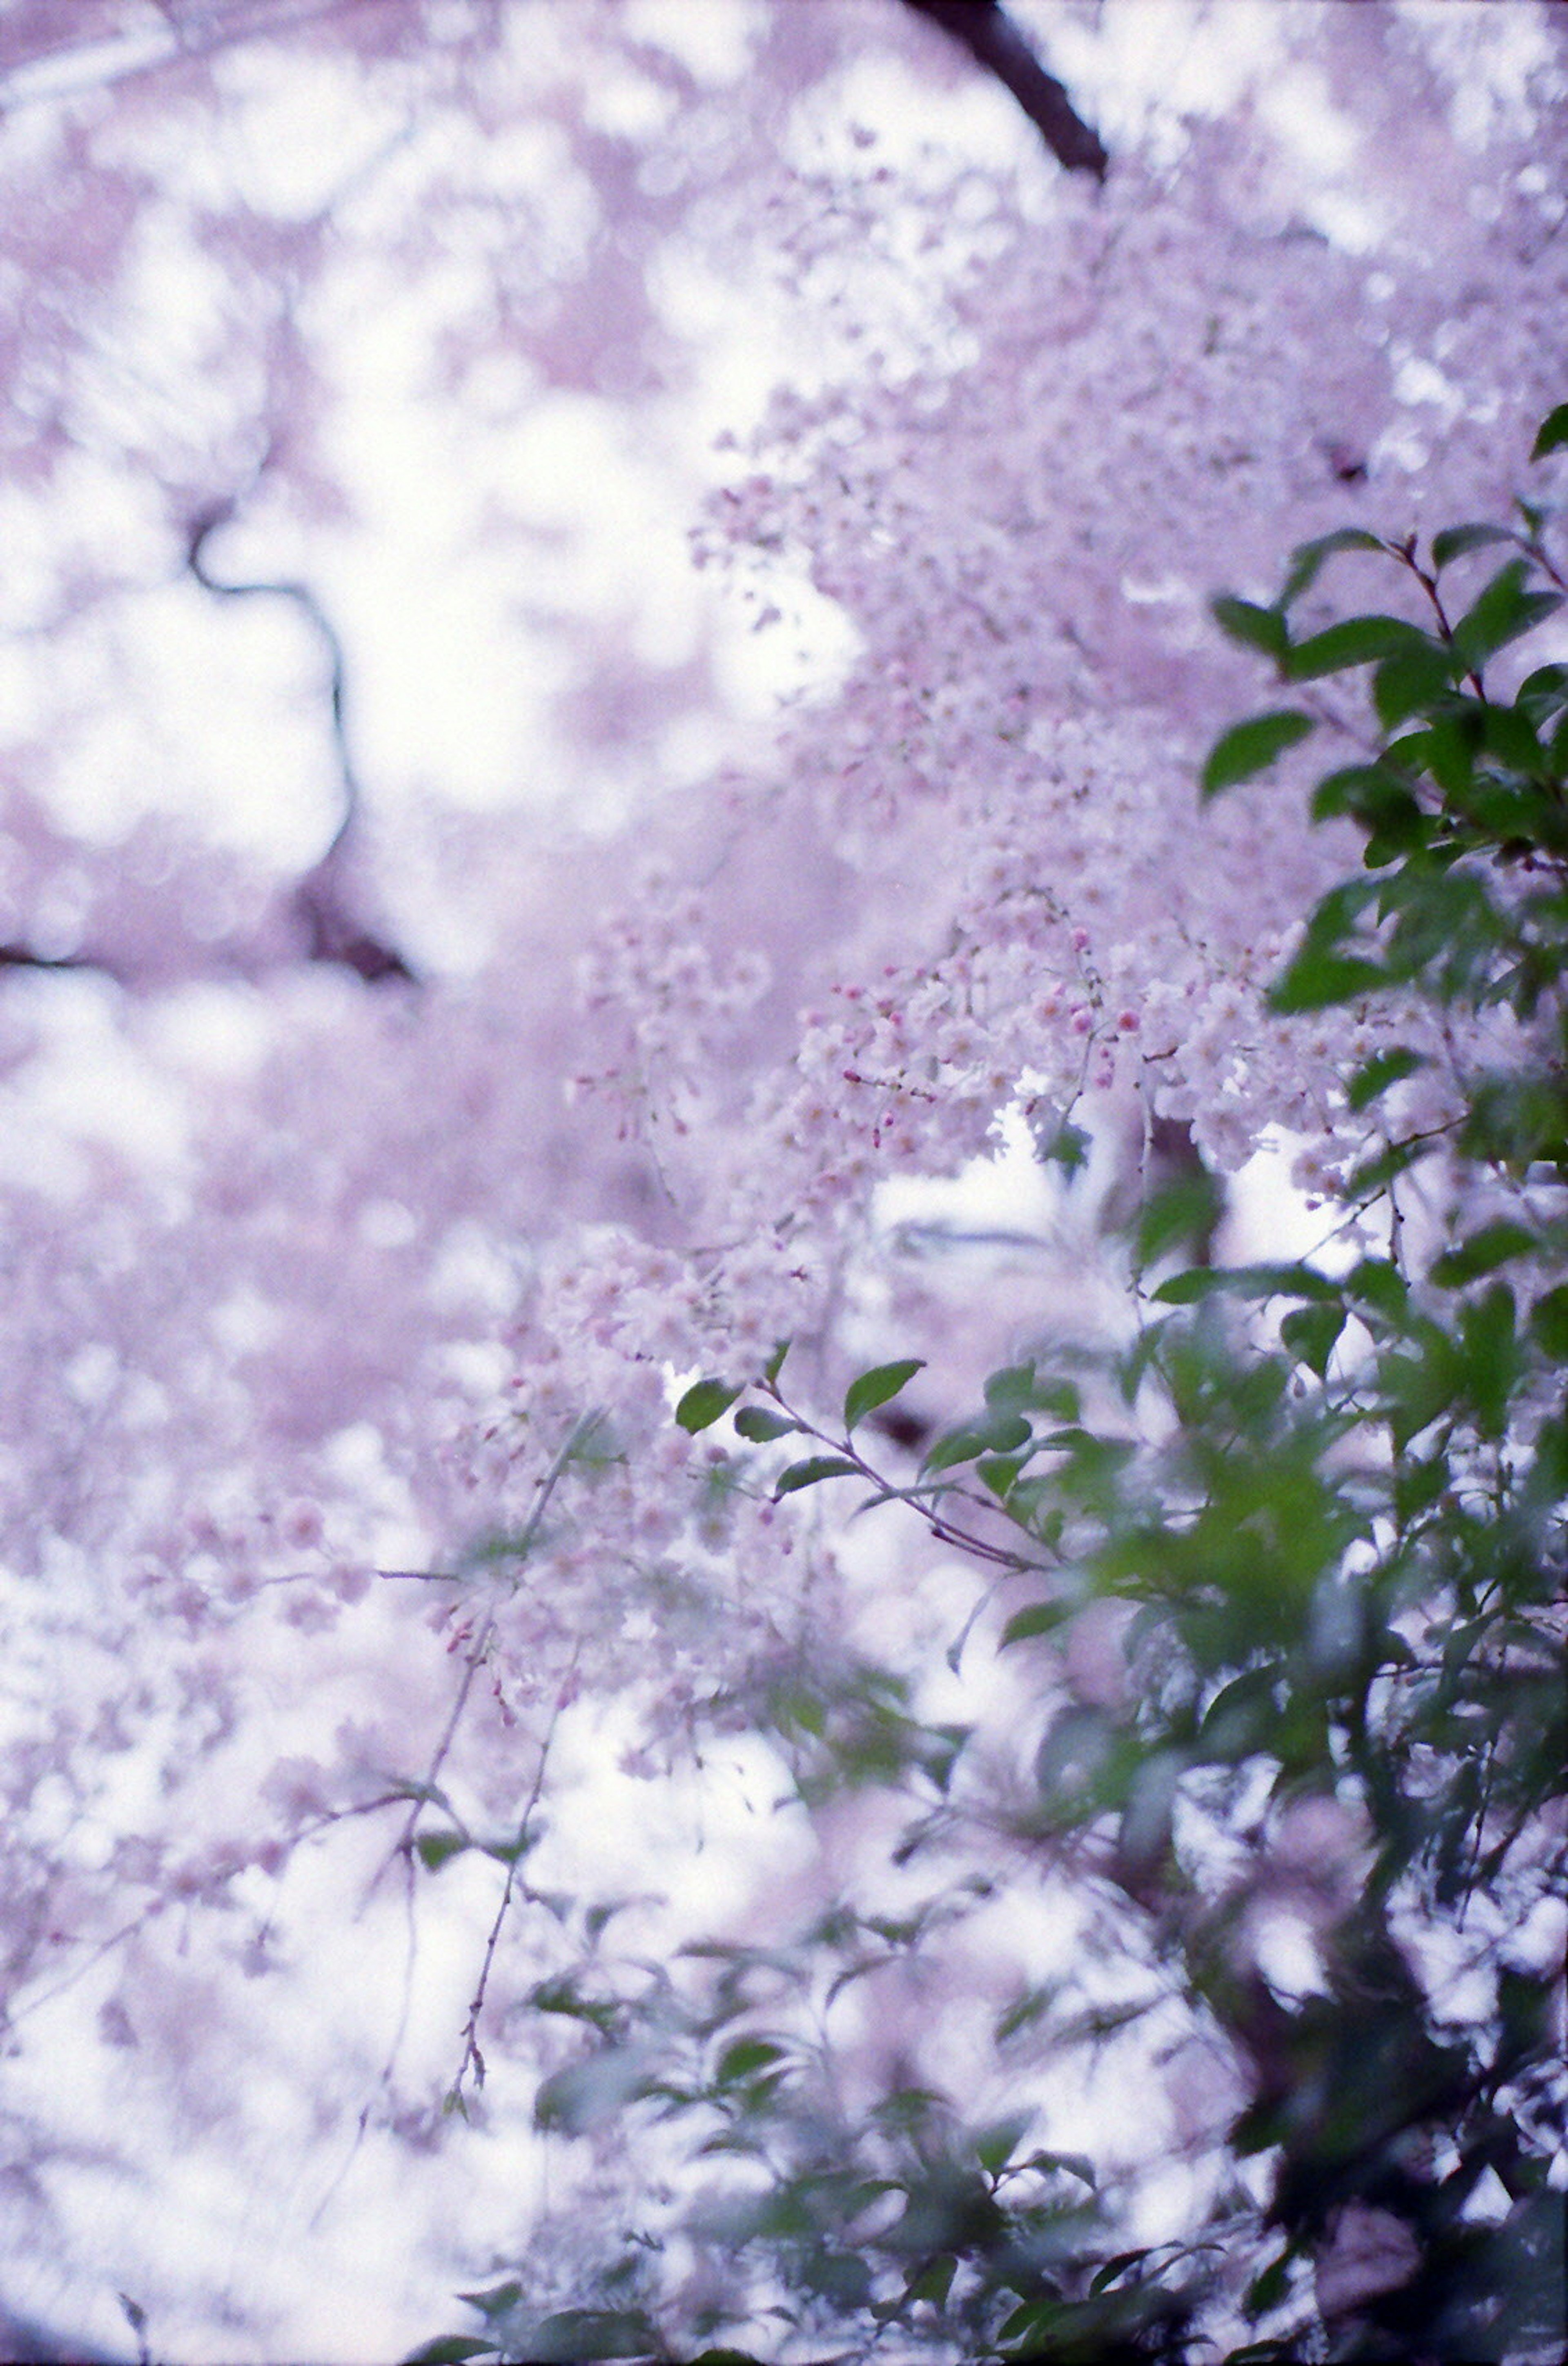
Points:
(877, 1388)
(1329, 1503)
(1251, 747)
(704, 1403)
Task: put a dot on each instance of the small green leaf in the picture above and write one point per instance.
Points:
(814, 1467)
(1482, 1252)
(573, 2335)
(1373, 794)
(1187, 1288)
(1039, 1619)
(1067, 1147)
(1070, 2163)
(1411, 682)
(1505, 611)
(1181, 1215)
(452, 2349)
(878, 1387)
(1316, 979)
(1455, 540)
(1549, 1322)
(1312, 1332)
(1004, 1433)
(1373, 1077)
(498, 2301)
(996, 2145)
(933, 2282)
(560, 1996)
(585, 2093)
(1251, 747)
(703, 1404)
(1268, 2290)
(437, 1849)
(1377, 1282)
(1544, 693)
(759, 1428)
(1103, 2278)
(775, 1364)
(745, 2057)
(1254, 627)
(1552, 433)
(1308, 558)
(1357, 641)
(1247, 1282)
(1000, 1472)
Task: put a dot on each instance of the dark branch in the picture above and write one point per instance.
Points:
(202, 528)
(994, 41)
(333, 932)
(15, 956)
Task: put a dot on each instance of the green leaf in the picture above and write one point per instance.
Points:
(1038, 1618)
(1191, 1286)
(1012, 1388)
(759, 1428)
(1482, 1252)
(775, 1364)
(1373, 1077)
(816, 1467)
(745, 2057)
(1544, 693)
(1316, 979)
(1377, 1282)
(1000, 1472)
(1180, 1215)
(1106, 2276)
(878, 1387)
(1312, 1332)
(1241, 1712)
(573, 2334)
(1069, 2164)
(1357, 641)
(437, 1849)
(1549, 1322)
(1004, 1433)
(1552, 433)
(1143, 1836)
(933, 2282)
(1454, 541)
(500, 2300)
(1376, 796)
(1411, 682)
(703, 1404)
(585, 2093)
(1067, 1147)
(1254, 627)
(996, 2145)
(452, 2349)
(1505, 611)
(1307, 558)
(1269, 2289)
(1251, 747)
(560, 1995)
(1493, 1366)
(1248, 1282)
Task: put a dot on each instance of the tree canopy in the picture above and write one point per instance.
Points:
(785, 876)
